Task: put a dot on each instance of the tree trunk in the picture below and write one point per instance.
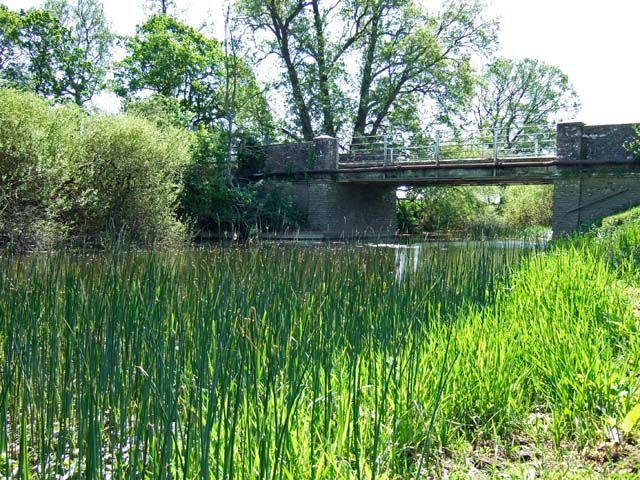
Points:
(367, 79)
(328, 123)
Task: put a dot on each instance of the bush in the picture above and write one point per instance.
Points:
(528, 206)
(65, 173)
(36, 142)
(438, 209)
(130, 176)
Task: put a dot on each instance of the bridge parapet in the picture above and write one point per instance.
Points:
(578, 142)
(319, 155)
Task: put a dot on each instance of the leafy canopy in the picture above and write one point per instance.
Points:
(168, 58)
(362, 66)
(514, 94)
(40, 53)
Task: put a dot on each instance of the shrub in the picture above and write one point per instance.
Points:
(439, 208)
(131, 176)
(65, 173)
(528, 205)
(36, 141)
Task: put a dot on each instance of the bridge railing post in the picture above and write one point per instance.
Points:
(495, 145)
(385, 140)
(437, 148)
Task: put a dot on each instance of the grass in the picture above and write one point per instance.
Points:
(282, 363)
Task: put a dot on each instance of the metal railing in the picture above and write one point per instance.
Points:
(486, 145)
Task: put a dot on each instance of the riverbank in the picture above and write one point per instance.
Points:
(556, 360)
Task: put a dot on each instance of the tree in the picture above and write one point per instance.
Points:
(169, 58)
(10, 23)
(38, 47)
(91, 38)
(405, 55)
(514, 95)
(172, 59)
(410, 55)
(165, 7)
(41, 54)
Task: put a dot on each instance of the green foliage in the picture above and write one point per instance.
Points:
(36, 146)
(477, 211)
(64, 173)
(10, 24)
(173, 60)
(131, 178)
(217, 204)
(169, 58)
(512, 95)
(633, 145)
(408, 57)
(528, 206)
(439, 209)
(251, 156)
(164, 111)
(43, 55)
(91, 39)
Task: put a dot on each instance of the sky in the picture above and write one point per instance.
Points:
(594, 42)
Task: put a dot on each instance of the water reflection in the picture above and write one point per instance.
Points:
(407, 257)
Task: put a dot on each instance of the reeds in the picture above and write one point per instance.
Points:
(280, 362)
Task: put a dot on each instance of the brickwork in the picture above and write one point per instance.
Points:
(585, 194)
(295, 158)
(595, 143)
(344, 211)
(580, 202)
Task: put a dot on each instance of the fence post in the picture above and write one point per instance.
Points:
(495, 145)
(437, 152)
(385, 141)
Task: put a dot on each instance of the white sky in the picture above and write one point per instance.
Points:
(594, 42)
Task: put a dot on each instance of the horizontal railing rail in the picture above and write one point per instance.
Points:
(492, 145)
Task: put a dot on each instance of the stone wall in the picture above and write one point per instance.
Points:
(600, 177)
(337, 210)
(581, 201)
(333, 210)
(297, 158)
(606, 142)
(594, 143)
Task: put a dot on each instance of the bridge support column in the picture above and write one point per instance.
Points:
(345, 211)
(596, 175)
(333, 209)
(580, 201)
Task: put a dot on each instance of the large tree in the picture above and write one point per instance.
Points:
(378, 58)
(165, 7)
(169, 58)
(515, 96)
(91, 38)
(10, 24)
(40, 53)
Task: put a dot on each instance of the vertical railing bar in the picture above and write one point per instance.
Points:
(385, 140)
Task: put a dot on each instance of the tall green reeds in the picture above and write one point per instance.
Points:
(281, 362)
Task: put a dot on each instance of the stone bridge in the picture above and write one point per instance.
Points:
(592, 173)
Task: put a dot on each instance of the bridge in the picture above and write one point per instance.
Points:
(352, 194)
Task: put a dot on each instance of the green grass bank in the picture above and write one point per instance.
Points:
(278, 362)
